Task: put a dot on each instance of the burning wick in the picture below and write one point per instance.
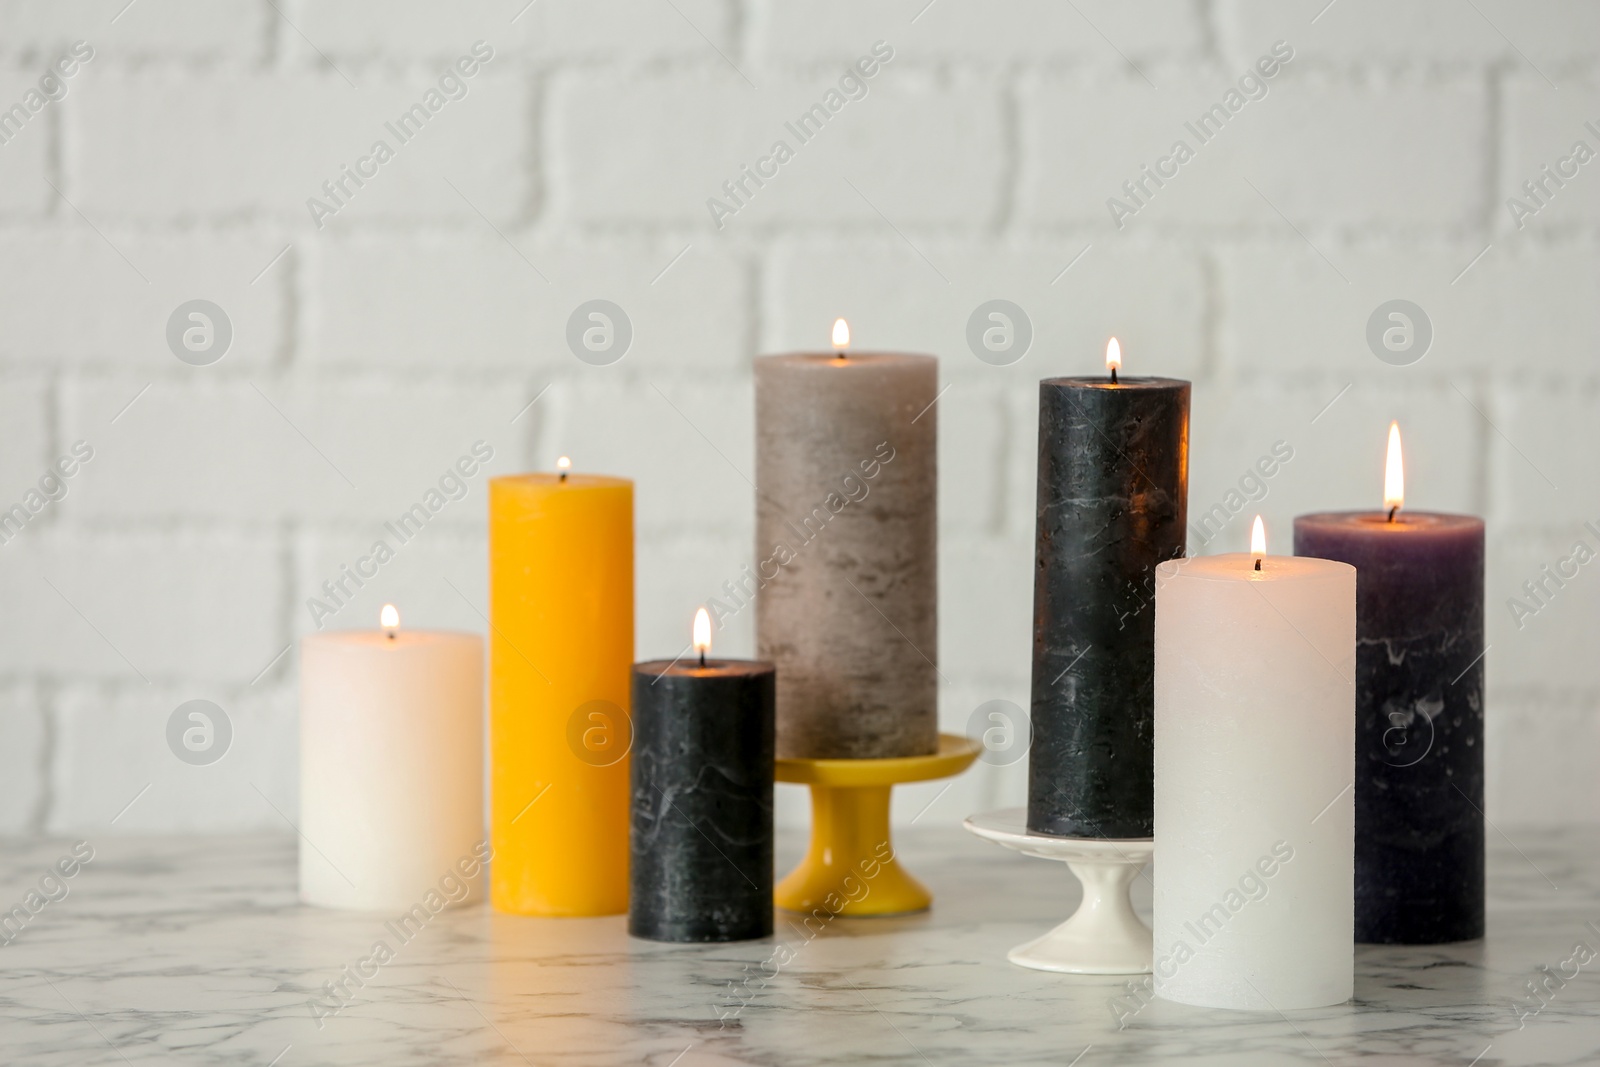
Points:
(389, 619)
(1113, 358)
(1394, 474)
(563, 465)
(702, 634)
(1258, 541)
(841, 337)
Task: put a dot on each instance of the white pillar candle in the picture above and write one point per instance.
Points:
(1254, 762)
(391, 767)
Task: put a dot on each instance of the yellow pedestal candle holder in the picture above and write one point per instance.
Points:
(850, 841)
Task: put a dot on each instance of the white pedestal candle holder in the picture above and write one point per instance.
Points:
(1104, 936)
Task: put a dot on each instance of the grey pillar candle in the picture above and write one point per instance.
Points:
(846, 577)
(1112, 500)
(702, 767)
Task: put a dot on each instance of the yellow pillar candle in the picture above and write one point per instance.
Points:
(560, 653)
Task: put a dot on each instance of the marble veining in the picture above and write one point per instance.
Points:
(194, 950)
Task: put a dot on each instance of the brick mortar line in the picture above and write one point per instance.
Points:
(1019, 234)
(950, 70)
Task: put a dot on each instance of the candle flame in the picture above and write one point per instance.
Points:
(1394, 472)
(564, 463)
(702, 632)
(1113, 356)
(1258, 539)
(841, 334)
(389, 618)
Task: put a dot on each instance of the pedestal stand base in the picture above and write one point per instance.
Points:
(850, 867)
(1104, 936)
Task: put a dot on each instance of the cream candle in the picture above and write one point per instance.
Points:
(1254, 767)
(391, 764)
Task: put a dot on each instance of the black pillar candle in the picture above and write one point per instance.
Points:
(1112, 502)
(1419, 718)
(702, 770)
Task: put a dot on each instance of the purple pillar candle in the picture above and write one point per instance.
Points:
(1419, 718)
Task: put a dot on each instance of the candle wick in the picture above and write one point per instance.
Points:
(1113, 376)
(702, 657)
(563, 476)
(391, 635)
(1258, 564)
(1392, 511)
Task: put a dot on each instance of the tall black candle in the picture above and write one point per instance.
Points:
(701, 837)
(1419, 716)
(1112, 502)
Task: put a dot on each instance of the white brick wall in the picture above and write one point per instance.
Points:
(371, 352)
(70, 299)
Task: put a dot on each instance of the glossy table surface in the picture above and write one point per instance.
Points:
(193, 950)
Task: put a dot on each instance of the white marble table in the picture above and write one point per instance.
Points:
(194, 951)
